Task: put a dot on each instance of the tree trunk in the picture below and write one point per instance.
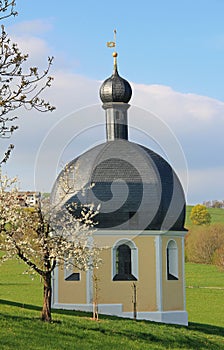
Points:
(46, 310)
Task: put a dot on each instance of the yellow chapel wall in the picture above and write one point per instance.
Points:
(121, 292)
(173, 290)
(71, 292)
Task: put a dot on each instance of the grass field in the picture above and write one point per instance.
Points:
(217, 215)
(205, 294)
(20, 327)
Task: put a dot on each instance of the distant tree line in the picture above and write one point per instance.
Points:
(214, 203)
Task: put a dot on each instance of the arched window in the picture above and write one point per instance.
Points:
(172, 260)
(125, 262)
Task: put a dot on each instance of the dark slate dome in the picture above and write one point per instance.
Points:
(135, 187)
(115, 89)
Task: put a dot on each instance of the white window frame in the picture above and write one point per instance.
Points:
(134, 256)
(172, 250)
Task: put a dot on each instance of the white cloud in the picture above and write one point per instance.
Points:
(27, 35)
(181, 108)
(36, 48)
(34, 27)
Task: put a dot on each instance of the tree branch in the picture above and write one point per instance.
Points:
(4, 6)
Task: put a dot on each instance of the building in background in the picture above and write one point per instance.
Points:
(29, 199)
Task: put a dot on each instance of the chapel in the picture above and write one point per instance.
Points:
(140, 223)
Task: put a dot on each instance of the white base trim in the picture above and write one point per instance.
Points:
(169, 317)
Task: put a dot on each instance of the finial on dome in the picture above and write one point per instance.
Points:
(112, 44)
(115, 88)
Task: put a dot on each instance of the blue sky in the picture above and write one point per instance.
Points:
(174, 43)
(172, 53)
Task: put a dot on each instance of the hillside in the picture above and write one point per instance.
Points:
(20, 301)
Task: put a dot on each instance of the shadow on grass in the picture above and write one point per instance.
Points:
(144, 331)
(200, 327)
(166, 334)
(206, 328)
(14, 284)
(21, 305)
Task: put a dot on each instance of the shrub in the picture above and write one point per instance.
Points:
(219, 257)
(200, 215)
(203, 243)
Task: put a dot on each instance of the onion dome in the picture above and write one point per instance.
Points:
(115, 88)
(135, 187)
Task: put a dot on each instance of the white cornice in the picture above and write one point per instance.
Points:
(134, 233)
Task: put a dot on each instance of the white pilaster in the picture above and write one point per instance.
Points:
(183, 272)
(159, 286)
(54, 282)
(89, 286)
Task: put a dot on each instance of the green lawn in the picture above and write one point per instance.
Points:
(205, 294)
(17, 286)
(21, 328)
(217, 215)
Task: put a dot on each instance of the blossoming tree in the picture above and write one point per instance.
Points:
(45, 237)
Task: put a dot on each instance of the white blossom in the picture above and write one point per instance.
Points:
(45, 237)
